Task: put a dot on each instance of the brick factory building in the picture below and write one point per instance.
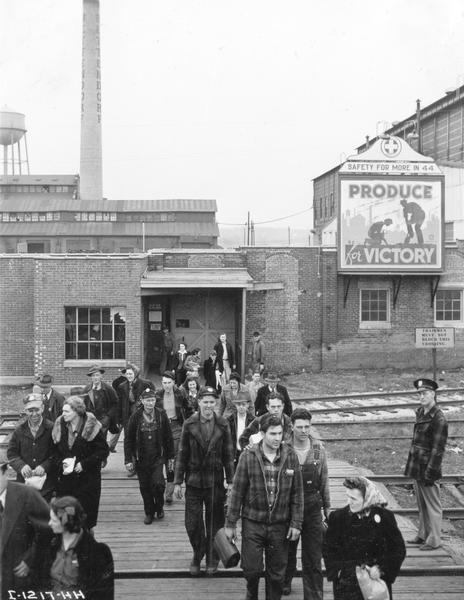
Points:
(64, 313)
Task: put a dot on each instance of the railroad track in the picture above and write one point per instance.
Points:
(374, 406)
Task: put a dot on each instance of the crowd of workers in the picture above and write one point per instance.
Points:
(233, 450)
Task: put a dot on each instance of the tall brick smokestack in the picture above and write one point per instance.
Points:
(91, 186)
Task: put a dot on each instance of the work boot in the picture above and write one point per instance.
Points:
(148, 519)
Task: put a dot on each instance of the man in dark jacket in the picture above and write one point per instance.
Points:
(225, 361)
(148, 444)
(23, 515)
(53, 400)
(177, 408)
(239, 421)
(424, 464)
(206, 453)
(129, 392)
(101, 400)
(272, 387)
(30, 449)
(274, 406)
(267, 493)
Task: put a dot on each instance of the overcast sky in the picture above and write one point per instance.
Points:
(244, 101)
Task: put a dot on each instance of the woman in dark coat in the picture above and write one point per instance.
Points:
(71, 560)
(362, 533)
(190, 389)
(80, 449)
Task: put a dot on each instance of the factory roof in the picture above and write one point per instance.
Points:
(104, 228)
(42, 202)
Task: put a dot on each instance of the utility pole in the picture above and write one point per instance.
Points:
(252, 233)
(248, 229)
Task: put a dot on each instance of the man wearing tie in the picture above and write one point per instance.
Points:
(53, 400)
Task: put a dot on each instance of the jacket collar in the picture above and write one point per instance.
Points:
(195, 430)
(421, 416)
(89, 431)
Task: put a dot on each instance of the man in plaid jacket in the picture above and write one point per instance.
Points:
(268, 494)
(424, 464)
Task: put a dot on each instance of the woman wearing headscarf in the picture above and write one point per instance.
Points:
(362, 533)
(71, 560)
(80, 449)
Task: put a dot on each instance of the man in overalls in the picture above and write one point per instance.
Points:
(313, 465)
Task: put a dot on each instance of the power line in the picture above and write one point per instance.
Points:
(271, 220)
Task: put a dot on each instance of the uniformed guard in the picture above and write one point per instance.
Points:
(424, 464)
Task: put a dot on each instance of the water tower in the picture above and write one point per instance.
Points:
(12, 138)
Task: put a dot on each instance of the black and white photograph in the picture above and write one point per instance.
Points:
(231, 300)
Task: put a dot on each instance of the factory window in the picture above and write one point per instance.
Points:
(56, 216)
(27, 216)
(42, 216)
(84, 217)
(374, 308)
(92, 216)
(448, 306)
(106, 216)
(95, 333)
(49, 216)
(113, 217)
(98, 216)
(449, 231)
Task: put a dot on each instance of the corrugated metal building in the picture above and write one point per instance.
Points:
(42, 213)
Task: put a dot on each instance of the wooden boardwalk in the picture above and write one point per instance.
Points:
(164, 546)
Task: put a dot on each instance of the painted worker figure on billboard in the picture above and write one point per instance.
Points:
(377, 232)
(413, 215)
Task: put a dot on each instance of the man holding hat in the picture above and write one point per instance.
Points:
(53, 400)
(272, 387)
(23, 514)
(424, 464)
(205, 454)
(30, 448)
(148, 444)
(101, 400)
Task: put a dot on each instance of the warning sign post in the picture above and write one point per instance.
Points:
(433, 338)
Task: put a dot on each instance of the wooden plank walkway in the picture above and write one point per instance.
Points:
(164, 545)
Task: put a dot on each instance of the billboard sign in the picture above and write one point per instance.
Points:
(391, 216)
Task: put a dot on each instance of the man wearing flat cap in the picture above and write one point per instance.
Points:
(424, 464)
(101, 400)
(205, 457)
(24, 516)
(53, 400)
(30, 448)
(272, 386)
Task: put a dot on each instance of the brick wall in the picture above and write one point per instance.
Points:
(17, 289)
(289, 319)
(306, 324)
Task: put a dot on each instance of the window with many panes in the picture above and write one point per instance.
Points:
(95, 333)
(448, 305)
(374, 308)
